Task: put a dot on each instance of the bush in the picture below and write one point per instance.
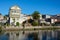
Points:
(7, 24)
(34, 23)
(17, 23)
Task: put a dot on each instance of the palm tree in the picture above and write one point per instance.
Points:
(36, 16)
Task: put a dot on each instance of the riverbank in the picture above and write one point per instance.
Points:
(32, 28)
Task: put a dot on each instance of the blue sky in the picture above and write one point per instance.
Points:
(50, 7)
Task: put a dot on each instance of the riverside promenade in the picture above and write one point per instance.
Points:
(15, 28)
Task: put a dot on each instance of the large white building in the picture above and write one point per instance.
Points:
(15, 15)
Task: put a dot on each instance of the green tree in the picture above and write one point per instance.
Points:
(5, 16)
(34, 23)
(36, 15)
(17, 23)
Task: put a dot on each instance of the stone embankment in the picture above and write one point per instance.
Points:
(32, 28)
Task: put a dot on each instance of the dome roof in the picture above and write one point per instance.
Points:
(15, 7)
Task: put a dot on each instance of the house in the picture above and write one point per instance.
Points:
(55, 19)
(2, 20)
(27, 22)
(45, 19)
(15, 15)
(46, 16)
(1, 17)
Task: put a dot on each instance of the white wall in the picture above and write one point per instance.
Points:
(11, 20)
(47, 16)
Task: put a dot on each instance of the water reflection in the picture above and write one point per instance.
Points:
(31, 35)
(4, 37)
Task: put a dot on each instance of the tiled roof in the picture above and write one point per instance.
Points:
(55, 17)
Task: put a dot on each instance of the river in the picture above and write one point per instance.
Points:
(31, 35)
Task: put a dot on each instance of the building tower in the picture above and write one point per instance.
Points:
(14, 14)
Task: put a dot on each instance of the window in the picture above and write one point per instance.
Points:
(43, 16)
(13, 11)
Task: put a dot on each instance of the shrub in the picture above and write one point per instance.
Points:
(34, 23)
(17, 23)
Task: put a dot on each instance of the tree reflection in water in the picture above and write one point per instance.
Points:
(31, 35)
(58, 35)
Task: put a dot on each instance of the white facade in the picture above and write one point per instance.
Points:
(53, 20)
(16, 16)
(1, 17)
(40, 16)
(47, 16)
(23, 18)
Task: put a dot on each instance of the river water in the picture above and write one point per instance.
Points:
(31, 35)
